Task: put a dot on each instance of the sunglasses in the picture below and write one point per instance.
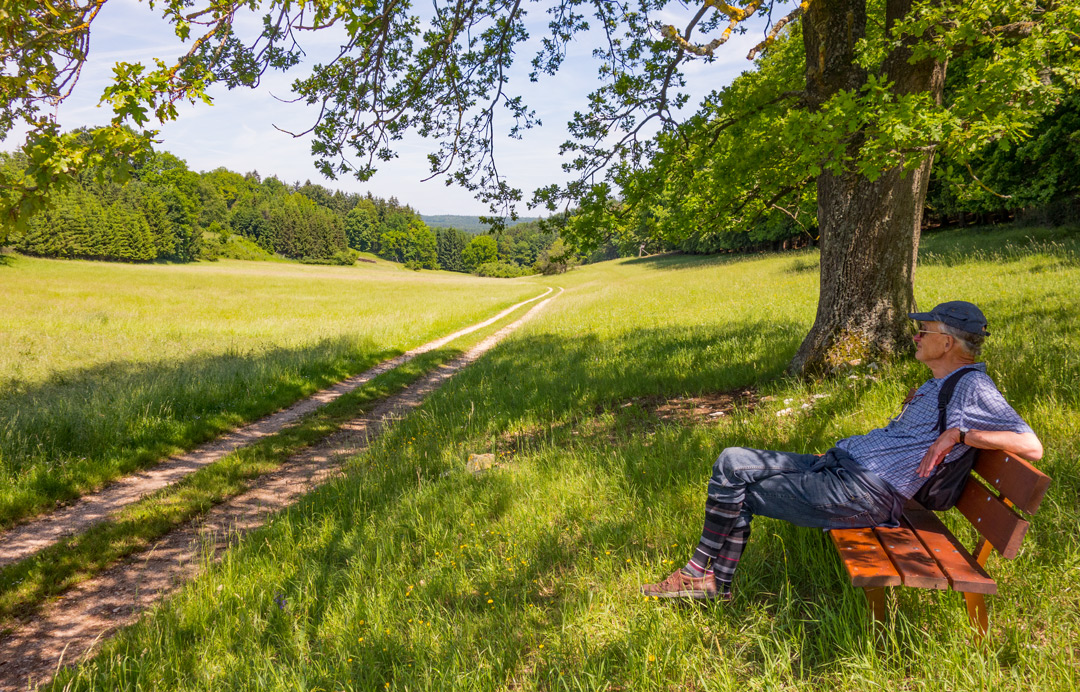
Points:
(921, 330)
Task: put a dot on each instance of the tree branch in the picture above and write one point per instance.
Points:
(764, 45)
(735, 16)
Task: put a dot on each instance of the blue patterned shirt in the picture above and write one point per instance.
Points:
(895, 451)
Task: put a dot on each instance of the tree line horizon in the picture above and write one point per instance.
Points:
(166, 212)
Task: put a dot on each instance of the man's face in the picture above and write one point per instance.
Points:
(930, 343)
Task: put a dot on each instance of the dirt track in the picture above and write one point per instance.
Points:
(69, 630)
(37, 534)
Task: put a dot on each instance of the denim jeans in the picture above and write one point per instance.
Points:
(828, 492)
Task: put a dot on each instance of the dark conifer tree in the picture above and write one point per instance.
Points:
(450, 242)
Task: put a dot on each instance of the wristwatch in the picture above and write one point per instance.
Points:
(963, 434)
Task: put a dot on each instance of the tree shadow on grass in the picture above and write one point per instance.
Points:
(559, 376)
(82, 428)
(677, 261)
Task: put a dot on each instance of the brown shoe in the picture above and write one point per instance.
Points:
(682, 585)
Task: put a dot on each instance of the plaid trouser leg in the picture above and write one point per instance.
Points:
(720, 518)
(727, 559)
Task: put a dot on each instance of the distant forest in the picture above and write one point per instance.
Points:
(469, 224)
(166, 212)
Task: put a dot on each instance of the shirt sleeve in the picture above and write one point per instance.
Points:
(978, 405)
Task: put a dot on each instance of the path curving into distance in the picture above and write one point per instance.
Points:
(37, 534)
(68, 630)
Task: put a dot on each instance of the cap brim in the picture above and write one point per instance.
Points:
(928, 316)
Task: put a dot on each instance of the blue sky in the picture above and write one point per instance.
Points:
(238, 131)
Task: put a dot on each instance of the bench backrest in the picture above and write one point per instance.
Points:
(1010, 484)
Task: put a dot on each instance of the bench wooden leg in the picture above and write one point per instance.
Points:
(976, 604)
(875, 598)
(976, 608)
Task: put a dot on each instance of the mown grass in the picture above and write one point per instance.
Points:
(106, 368)
(411, 574)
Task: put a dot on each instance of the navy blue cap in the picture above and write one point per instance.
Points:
(956, 313)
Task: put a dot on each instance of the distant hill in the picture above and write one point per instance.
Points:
(469, 224)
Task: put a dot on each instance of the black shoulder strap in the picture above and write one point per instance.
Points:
(946, 392)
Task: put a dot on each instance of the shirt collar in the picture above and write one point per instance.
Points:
(981, 367)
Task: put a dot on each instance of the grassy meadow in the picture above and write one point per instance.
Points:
(27, 585)
(411, 574)
(105, 368)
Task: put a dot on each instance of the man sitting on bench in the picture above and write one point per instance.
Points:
(864, 480)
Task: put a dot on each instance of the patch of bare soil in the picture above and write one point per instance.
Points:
(69, 630)
(38, 534)
(703, 407)
(692, 409)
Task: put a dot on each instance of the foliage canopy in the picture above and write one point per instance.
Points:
(443, 73)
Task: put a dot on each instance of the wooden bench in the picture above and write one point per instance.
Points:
(924, 554)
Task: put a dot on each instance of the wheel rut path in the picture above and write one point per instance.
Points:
(69, 630)
(37, 534)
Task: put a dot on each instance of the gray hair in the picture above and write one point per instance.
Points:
(972, 343)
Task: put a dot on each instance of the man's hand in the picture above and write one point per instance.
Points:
(945, 442)
(1022, 445)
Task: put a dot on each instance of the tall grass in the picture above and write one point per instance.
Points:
(105, 368)
(411, 574)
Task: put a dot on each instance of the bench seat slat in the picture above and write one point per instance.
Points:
(866, 562)
(915, 565)
(1020, 482)
(992, 518)
(963, 573)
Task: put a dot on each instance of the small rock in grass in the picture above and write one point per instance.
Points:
(478, 463)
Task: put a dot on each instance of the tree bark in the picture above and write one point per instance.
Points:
(869, 229)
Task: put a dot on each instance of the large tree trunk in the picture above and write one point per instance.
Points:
(869, 229)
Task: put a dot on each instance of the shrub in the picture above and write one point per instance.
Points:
(502, 270)
(211, 246)
(343, 258)
(241, 248)
(557, 259)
